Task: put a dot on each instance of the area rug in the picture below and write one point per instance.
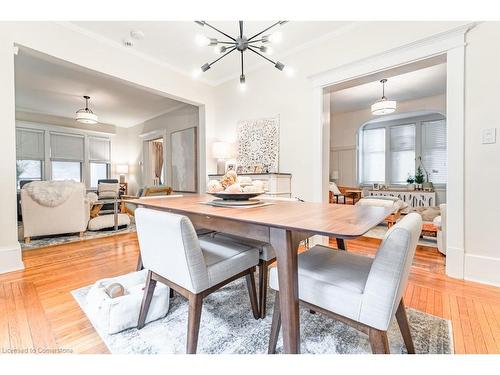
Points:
(380, 230)
(227, 326)
(39, 242)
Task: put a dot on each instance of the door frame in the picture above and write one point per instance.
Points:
(451, 44)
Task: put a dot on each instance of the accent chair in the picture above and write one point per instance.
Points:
(362, 292)
(194, 268)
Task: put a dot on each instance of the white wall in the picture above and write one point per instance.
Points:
(182, 118)
(97, 54)
(482, 161)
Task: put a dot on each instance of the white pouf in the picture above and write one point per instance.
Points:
(108, 221)
(117, 314)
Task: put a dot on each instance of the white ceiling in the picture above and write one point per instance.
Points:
(173, 42)
(419, 83)
(50, 86)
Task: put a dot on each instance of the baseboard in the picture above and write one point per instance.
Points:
(481, 269)
(455, 262)
(11, 258)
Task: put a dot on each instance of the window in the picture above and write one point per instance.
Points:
(402, 145)
(373, 155)
(98, 171)
(30, 153)
(434, 150)
(67, 155)
(67, 170)
(28, 170)
(390, 151)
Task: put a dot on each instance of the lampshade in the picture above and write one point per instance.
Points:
(221, 150)
(335, 175)
(122, 168)
(383, 107)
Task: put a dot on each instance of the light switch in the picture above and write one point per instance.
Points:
(489, 136)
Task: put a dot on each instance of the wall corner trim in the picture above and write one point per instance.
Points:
(11, 258)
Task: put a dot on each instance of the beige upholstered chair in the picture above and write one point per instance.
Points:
(194, 268)
(365, 293)
(69, 216)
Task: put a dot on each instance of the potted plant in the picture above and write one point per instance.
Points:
(411, 182)
(419, 177)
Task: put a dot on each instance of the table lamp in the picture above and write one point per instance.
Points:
(221, 151)
(122, 169)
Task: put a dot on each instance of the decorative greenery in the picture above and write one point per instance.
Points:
(419, 176)
(410, 179)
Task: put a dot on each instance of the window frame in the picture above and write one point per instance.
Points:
(108, 171)
(85, 163)
(417, 120)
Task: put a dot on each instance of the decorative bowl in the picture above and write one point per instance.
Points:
(236, 196)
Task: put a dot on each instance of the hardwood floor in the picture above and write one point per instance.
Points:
(37, 311)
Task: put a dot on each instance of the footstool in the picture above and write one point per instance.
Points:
(108, 221)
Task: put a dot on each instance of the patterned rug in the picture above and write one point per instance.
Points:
(227, 326)
(39, 242)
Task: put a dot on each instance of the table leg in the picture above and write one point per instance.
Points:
(341, 244)
(115, 213)
(286, 256)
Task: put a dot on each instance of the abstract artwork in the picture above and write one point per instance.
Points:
(259, 145)
(184, 165)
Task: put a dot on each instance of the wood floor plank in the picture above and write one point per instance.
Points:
(4, 322)
(53, 272)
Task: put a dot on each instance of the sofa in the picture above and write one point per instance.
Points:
(54, 207)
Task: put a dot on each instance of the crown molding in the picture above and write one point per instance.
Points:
(134, 52)
(433, 45)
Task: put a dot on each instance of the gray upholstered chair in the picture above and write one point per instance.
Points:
(266, 256)
(362, 292)
(194, 268)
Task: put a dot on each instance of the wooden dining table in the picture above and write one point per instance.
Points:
(283, 224)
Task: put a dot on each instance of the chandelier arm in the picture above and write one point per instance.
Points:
(226, 42)
(263, 31)
(261, 55)
(224, 55)
(222, 32)
(256, 41)
(241, 28)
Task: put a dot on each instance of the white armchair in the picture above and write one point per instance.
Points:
(440, 223)
(54, 207)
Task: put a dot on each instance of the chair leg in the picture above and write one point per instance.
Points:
(379, 341)
(263, 274)
(139, 263)
(404, 327)
(195, 305)
(275, 326)
(146, 299)
(252, 294)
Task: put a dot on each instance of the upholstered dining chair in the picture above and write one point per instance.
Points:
(362, 292)
(194, 268)
(266, 255)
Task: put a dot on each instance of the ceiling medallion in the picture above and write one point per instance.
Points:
(260, 44)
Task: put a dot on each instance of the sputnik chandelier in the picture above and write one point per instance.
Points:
(259, 44)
